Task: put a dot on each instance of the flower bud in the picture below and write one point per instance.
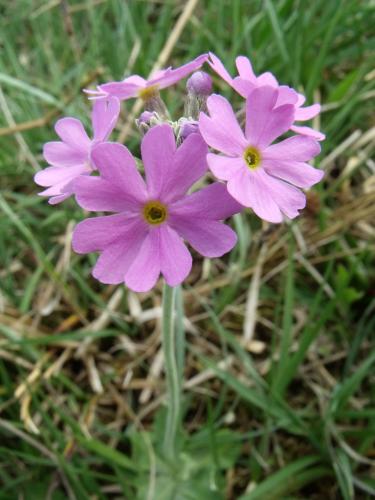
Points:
(146, 120)
(199, 87)
(199, 84)
(145, 117)
(187, 128)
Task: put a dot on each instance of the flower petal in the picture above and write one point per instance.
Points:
(54, 200)
(249, 189)
(242, 86)
(144, 271)
(224, 167)
(60, 154)
(116, 259)
(296, 148)
(308, 112)
(295, 172)
(301, 99)
(175, 258)
(65, 187)
(55, 175)
(117, 166)
(158, 147)
(208, 237)
(264, 123)
(221, 130)
(288, 198)
(95, 94)
(126, 89)
(245, 69)
(98, 194)
(212, 202)
(60, 188)
(189, 165)
(308, 131)
(136, 80)
(71, 131)
(219, 68)
(97, 233)
(286, 95)
(267, 79)
(159, 73)
(104, 117)
(174, 75)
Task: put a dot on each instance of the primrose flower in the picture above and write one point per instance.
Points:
(71, 157)
(145, 237)
(136, 86)
(259, 175)
(247, 81)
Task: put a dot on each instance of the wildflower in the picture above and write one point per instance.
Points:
(247, 81)
(71, 157)
(136, 86)
(145, 237)
(259, 175)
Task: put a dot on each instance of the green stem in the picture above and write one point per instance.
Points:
(173, 377)
(180, 333)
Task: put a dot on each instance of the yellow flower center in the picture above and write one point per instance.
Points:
(252, 157)
(148, 93)
(155, 212)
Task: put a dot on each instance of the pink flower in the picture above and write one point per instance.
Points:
(247, 81)
(262, 176)
(71, 158)
(136, 86)
(145, 237)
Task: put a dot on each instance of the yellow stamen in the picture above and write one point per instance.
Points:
(155, 212)
(148, 92)
(252, 157)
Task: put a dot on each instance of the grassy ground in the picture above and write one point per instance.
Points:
(279, 349)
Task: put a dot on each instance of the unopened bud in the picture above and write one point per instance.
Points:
(199, 84)
(146, 120)
(199, 87)
(145, 117)
(187, 128)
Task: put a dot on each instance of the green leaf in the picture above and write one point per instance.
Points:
(345, 390)
(344, 86)
(288, 480)
(341, 465)
(30, 89)
(107, 453)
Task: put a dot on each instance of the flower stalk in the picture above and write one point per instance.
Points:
(172, 372)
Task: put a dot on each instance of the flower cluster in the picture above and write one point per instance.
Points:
(153, 216)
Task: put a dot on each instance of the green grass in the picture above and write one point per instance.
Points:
(289, 416)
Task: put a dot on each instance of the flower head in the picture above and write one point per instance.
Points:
(145, 237)
(136, 86)
(262, 176)
(71, 157)
(247, 81)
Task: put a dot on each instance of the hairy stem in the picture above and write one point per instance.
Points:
(173, 374)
